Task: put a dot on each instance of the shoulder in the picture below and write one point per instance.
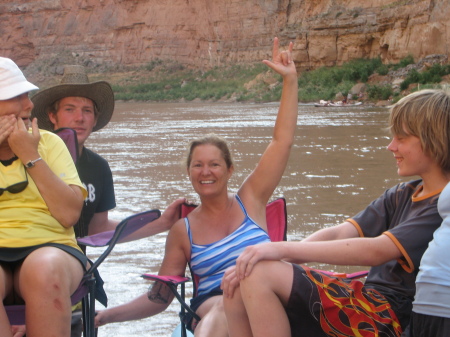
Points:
(50, 145)
(177, 236)
(178, 228)
(405, 189)
(90, 155)
(49, 137)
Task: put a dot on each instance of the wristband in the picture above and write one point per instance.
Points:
(32, 163)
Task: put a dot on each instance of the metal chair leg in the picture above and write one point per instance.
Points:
(88, 304)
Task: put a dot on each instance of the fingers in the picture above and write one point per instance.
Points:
(6, 126)
(35, 128)
(229, 282)
(18, 330)
(285, 58)
(98, 319)
(282, 61)
(245, 263)
(275, 48)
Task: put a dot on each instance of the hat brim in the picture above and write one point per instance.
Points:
(16, 90)
(100, 93)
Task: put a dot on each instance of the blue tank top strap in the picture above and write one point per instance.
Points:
(242, 205)
(188, 229)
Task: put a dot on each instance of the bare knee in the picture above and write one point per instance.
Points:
(49, 269)
(268, 277)
(213, 321)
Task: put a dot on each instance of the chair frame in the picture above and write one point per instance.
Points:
(86, 289)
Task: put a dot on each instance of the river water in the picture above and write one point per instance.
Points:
(339, 163)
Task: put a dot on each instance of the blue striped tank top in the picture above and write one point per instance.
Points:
(209, 262)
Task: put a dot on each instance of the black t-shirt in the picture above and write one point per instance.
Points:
(410, 222)
(96, 176)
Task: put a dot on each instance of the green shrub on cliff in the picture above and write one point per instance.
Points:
(432, 75)
(326, 82)
(170, 82)
(379, 92)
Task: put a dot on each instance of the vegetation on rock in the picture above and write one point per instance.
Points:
(162, 81)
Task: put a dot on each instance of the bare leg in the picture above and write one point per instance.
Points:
(213, 322)
(5, 290)
(238, 322)
(46, 279)
(265, 294)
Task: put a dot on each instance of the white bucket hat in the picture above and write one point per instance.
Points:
(12, 81)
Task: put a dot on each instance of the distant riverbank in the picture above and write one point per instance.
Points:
(369, 81)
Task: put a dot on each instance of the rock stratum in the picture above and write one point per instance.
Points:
(208, 33)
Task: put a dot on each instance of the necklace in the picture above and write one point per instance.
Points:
(9, 161)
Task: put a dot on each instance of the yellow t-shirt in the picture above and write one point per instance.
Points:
(25, 219)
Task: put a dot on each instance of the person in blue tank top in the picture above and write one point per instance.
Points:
(224, 223)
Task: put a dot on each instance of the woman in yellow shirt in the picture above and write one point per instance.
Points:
(41, 198)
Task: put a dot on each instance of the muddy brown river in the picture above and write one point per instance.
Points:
(339, 163)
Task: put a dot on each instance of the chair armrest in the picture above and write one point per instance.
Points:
(172, 282)
(176, 280)
(358, 274)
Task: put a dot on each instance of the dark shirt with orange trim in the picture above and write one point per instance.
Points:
(410, 222)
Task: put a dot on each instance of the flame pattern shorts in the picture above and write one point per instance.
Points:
(323, 305)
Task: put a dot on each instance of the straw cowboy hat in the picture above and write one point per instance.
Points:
(75, 83)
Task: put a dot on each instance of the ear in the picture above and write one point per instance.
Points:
(52, 117)
(188, 174)
(230, 171)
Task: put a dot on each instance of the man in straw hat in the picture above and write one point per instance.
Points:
(84, 107)
(87, 107)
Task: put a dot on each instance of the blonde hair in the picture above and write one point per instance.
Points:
(210, 139)
(426, 115)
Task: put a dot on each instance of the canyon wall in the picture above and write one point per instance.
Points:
(208, 33)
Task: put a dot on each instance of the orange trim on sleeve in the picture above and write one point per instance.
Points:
(406, 263)
(358, 228)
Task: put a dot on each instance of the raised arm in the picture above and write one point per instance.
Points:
(63, 201)
(261, 183)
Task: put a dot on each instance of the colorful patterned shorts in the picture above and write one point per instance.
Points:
(323, 305)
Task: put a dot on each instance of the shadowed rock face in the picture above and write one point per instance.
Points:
(208, 33)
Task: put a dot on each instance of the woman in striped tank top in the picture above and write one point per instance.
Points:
(224, 223)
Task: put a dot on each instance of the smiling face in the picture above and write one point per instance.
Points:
(410, 157)
(76, 113)
(208, 171)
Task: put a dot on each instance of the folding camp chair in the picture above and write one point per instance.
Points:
(69, 136)
(276, 216)
(86, 290)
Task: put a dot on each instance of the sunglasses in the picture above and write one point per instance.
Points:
(16, 188)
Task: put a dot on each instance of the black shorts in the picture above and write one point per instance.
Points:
(429, 326)
(15, 256)
(321, 305)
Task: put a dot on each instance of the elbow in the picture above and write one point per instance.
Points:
(69, 219)
(69, 216)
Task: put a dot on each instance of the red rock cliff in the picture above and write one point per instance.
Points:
(206, 33)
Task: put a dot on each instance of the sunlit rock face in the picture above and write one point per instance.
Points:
(208, 33)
